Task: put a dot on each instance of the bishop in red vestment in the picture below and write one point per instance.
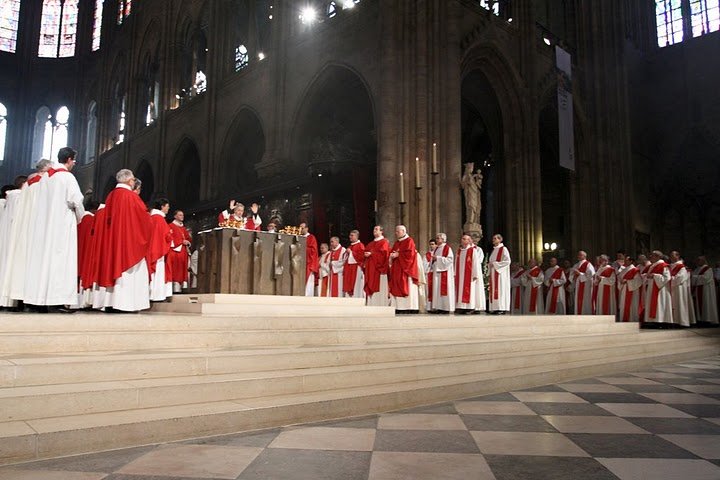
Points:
(179, 255)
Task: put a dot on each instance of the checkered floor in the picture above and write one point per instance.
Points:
(657, 424)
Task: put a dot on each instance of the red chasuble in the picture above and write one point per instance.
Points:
(126, 237)
(91, 263)
(403, 267)
(350, 270)
(376, 265)
(160, 240)
(85, 228)
(178, 260)
(312, 261)
(335, 277)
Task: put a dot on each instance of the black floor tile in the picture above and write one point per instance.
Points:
(363, 422)
(436, 441)
(512, 467)
(497, 397)
(707, 411)
(445, 408)
(614, 398)
(668, 426)
(253, 439)
(287, 464)
(104, 462)
(583, 409)
(652, 389)
(507, 423)
(543, 388)
(628, 446)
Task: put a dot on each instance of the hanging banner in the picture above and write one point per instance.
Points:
(563, 62)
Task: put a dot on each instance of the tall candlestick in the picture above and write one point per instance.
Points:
(402, 188)
(376, 206)
(434, 159)
(417, 173)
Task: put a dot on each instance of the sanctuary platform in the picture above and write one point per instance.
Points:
(205, 365)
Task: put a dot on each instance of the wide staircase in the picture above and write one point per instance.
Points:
(215, 364)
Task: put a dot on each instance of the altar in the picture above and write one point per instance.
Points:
(249, 262)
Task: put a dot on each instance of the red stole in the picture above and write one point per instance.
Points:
(495, 279)
(629, 294)
(34, 180)
(334, 256)
(657, 269)
(376, 265)
(557, 275)
(350, 270)
(606, 290)
(443, 276)
(467, 284)
(518, 289)
(534, 290)
(581, 288)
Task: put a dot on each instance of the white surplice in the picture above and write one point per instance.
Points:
(556, 288)
(533, 281)
(7, 242)
(582, 287)
(630, 282)
(480, 297)
(464, 277)
(499, 270)
(658, 302)
(682, 305)
(443, 265)
(705, 295)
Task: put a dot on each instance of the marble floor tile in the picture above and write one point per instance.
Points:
(438, 441)
(643, 410)
(701, 388)
(493, 408)
(507, 423)
(681, 398)
(704, 446)
(614, 398)
(577, 424)
(196, 461)
(252, 439)
(527, 443)
(660, 468)
(414, 466)
(592, 388)
(420, 421)
(95, 462)
(696, 426)
(514, 467)
(582, 409)
(283, 464)
(548, 397)
(326, 438)
(627, 445)
(629, 380)
(20, 474)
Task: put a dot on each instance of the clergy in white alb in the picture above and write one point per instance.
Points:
(161, 286)
(499, 275)
(123, 266)
(9, 218)
(337, 262)
(324, 270)
(442, 290)
(605, 296)
(480, 296)
(61, 202)
(555, 282)
(704, 292)
(468, 270)
(630, 283)
(682, 305)
(532, 282)
(581, 277)
(377, 265)
(658, 302)
(516, 289)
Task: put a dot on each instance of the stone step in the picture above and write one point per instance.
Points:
(29, 370)
(75, 434)
(270, 309)
(224, 298)
(92, 322)
(43, 342)
(27, 403)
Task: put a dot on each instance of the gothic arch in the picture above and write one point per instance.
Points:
(243, 148)
(184, 177)
(144, 172)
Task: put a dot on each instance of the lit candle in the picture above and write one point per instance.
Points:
(376, 206)
(402, 188)
(417, 173)
(434, 159)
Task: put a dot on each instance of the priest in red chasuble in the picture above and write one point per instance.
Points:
(312, 262)
(404, 294)
(123, 268)
(179, 255)
(160, 243)
(353, 276)
(377, 254)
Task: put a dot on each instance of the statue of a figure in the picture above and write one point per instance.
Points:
(472, 184)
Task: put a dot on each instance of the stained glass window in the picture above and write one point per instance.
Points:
(97, 25)
(669, 21)
(3, 131)
(58, 30)
(124, 9)
(9, 15)
(241, 57)
(705, 16)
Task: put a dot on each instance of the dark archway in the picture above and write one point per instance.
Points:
(555, 182)
(144, 172)
(482, 144)
(109, 185)
(242, 150)
(335, 143)
(184, 181)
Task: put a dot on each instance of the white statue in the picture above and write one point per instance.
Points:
(471, 184)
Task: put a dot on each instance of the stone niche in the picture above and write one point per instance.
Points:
(247, 262)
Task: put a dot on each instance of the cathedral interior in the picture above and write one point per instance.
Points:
(314, 108)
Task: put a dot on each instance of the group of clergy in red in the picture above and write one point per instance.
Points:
(658, 291)
(129, 256)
